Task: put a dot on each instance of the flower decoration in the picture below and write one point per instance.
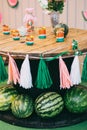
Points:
(52, 5)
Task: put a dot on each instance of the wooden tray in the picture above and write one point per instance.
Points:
(34, 121)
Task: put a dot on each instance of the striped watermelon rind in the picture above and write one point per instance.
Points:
(13, 3)
(22, 106)
(84, 14)
(76, 99)
(49, 104)
(7, 95)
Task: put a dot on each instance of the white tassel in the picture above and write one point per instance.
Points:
(75, 74)
(25, 74)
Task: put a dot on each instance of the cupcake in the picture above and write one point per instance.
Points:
(42, 33)
(6, 29)
(29, 40)
(15, 34)
(60, 35)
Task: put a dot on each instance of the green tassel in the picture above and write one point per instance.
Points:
(84, 70)
(3, 72)
(43, 76)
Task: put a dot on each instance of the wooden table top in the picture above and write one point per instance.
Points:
(47, 47)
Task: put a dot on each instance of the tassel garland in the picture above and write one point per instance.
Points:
(65, 81)
(75, 71)
(3, 72)
(43, 80)
(25, 74)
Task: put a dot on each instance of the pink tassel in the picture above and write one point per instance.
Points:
(13, 72)
(65, 81)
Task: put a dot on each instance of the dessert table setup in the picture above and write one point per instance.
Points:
(40, 68)
(49, 50)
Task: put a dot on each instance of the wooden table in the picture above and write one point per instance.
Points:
(47, 47)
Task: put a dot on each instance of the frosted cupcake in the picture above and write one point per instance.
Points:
(29, 40)
(42, 33)
(6, 29)
(15, 34)
(60, 35)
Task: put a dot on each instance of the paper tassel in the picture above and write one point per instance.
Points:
(3, 72)
(75, 71)
(43, 80)
(25, 74)
(84, 70)
(65, 81)
(13, 72)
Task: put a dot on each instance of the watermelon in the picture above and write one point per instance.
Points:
(7, 95)
(22, 106)
(62, 25)
(76, 99)
(84, 14)
(48, 104)
(13, 3)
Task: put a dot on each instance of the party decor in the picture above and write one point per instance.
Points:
(3, 72)
(43, 79)
(29, 40)
(65, 81)
(15, 34)
(54, 8)
(60, 35)
(52, 5)
(42, 33)
(13, 72)
(25, 74)
(6, 29)
(75, 74)
(84, 14)
(13, 3)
